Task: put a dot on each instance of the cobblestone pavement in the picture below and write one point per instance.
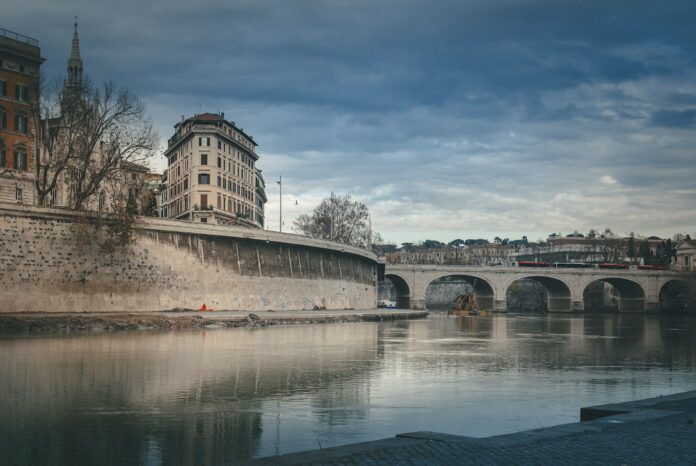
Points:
(658, 431)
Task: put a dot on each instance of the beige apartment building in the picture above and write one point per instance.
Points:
(211, 175)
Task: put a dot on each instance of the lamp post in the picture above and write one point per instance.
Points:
(280, 183)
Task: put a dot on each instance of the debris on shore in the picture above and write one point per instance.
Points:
(108, 322)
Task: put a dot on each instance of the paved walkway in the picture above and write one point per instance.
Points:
(656, 431)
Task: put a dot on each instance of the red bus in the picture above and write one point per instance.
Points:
(532, 264)
(653, 267)
(605, 265)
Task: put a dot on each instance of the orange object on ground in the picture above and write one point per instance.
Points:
(204, 308)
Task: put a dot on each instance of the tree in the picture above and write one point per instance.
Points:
(337, 218)
(631, 248)
(433, 244)
(645, 252)
(380, 245)
(85, 137)
(457, 243)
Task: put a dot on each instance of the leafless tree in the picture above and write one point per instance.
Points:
(85, 137)
(337, 218)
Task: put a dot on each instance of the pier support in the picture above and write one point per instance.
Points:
(500, 305)
(417, 303)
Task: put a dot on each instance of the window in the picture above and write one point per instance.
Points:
(22, 93)
(204, 201)
(3, 156)
(204, 220)
(219, 144)
(21, 123)
(204, 159)
(3, 119)
(53, 197)
(204, 178)
(20, 159)
(204, 141)
(186, 182)
(102, 200)
(3, 87)
(219, 162)
(219, 181)
(219, 202)
(18, 194)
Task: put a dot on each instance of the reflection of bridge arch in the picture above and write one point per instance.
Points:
(631, 293)
(559, 295)
(403, 290)
(485, 296)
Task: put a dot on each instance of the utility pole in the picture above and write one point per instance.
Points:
(280, 182)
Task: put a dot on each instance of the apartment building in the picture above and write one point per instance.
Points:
(212, 175)
(20, 63)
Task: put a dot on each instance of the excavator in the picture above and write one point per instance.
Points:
(465, 305)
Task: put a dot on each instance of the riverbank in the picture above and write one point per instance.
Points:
(652, 431)
(186, 319)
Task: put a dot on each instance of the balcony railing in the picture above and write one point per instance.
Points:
(19, 37)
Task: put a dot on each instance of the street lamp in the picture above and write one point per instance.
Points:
(280, 182)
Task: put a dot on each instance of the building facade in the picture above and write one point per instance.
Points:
(211, 175)
(20, 65)
(686, 256)
(124, 186)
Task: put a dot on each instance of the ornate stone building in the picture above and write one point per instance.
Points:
(686, 256)
(20, 63)
(212, 175)
(121, 185)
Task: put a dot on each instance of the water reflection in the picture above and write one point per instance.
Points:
(219, 396)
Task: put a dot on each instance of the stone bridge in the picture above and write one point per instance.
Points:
(639, 290)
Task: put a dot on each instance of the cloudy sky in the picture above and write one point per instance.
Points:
(449, 119)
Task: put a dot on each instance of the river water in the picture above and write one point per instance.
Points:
(220, 396)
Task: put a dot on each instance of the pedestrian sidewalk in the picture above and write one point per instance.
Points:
(654, 431)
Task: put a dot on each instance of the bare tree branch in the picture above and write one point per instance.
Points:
(337, 218)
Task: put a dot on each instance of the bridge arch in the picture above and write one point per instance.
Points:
(403, 290)
(558, 291)
(485, 294)
(630, 293)
(676, 297)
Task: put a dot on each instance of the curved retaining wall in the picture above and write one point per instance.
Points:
(52, 260)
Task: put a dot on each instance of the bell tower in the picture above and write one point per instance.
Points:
(74, 81)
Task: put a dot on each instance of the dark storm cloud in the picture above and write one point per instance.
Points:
(518, 115)
(674, 118)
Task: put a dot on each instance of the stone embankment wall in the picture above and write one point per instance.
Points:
(55, 261)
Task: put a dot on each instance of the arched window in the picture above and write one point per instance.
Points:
(20, 157)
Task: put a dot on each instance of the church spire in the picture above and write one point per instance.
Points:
(75, 62)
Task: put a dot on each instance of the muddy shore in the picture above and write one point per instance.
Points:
(108, 322)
